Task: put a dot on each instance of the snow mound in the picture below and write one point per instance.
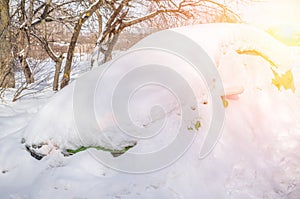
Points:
(256, 157)
(55, 123)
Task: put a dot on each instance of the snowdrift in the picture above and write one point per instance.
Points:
(256, 156)
(56, 125)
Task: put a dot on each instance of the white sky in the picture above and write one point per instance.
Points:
(270, 12)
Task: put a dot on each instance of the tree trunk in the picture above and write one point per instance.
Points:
(82, 18)
(70, 54)
(24, 43)
(7, 78)
(110, 48)
(26, 70)
(58, 63)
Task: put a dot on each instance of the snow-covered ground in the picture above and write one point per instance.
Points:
(256, 157)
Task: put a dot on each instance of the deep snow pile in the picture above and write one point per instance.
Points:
(217, 40)
(256, 156)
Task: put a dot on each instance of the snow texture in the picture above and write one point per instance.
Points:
(256, 156)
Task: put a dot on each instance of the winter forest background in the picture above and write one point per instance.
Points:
(61, 32)
(33, 32)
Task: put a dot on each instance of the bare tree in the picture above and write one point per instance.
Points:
(115, 16)
(34, 21)
(42, 37)
(83, 17)
(168, 13)
(34, 25)
(6, 61)
(24, 43)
